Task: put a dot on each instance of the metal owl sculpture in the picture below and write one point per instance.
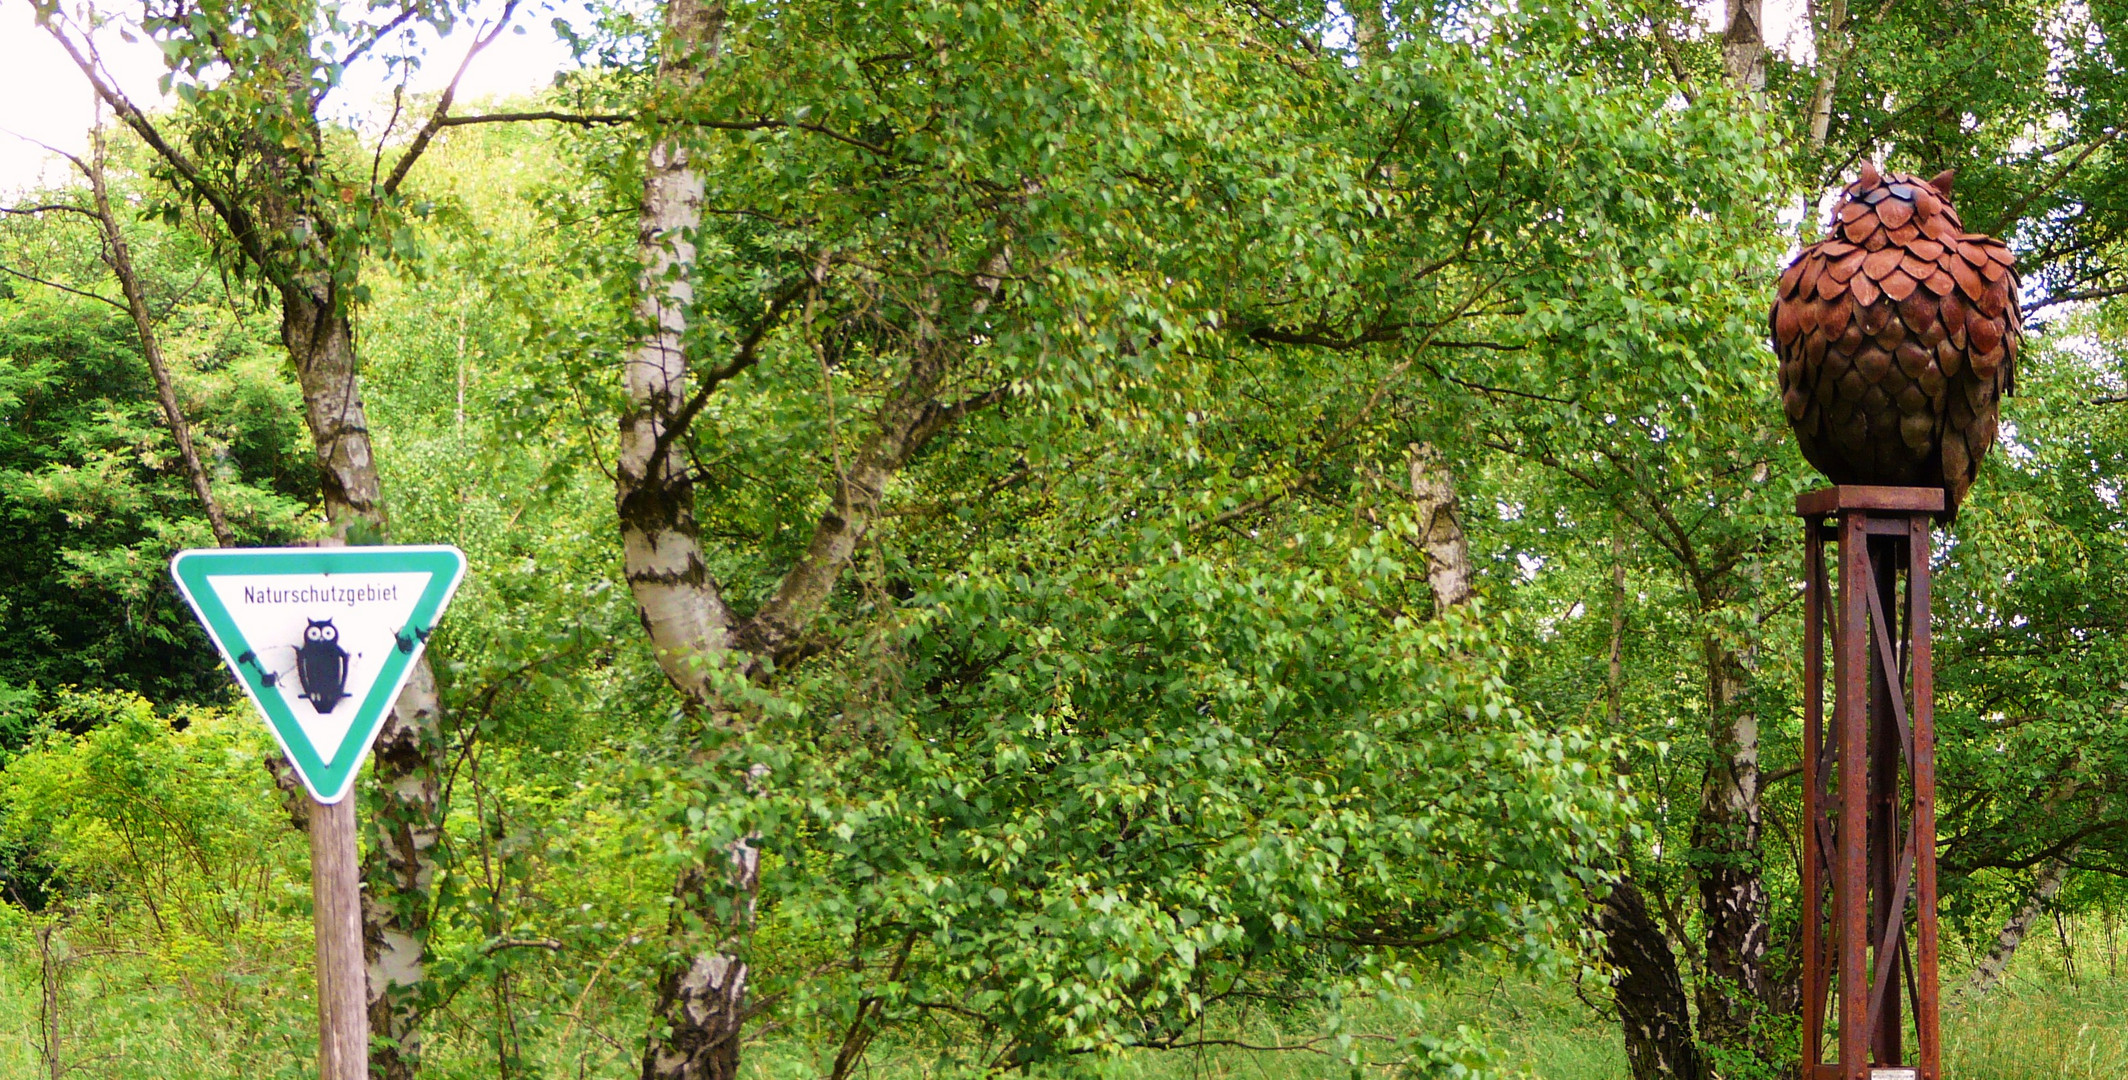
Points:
(321, 665)
(1898, 336)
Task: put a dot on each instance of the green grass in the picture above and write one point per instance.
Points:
(1533, 1029)
(2040, 1025)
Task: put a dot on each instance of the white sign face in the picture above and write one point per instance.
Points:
(321, 639)
(331, 634)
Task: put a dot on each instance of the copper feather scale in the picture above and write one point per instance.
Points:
(1898, 337)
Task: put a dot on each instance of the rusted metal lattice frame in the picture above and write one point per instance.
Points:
(1869, 838)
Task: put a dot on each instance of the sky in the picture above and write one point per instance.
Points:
(44, 97)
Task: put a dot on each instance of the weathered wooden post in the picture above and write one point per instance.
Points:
(1898, 336)
(336, 916)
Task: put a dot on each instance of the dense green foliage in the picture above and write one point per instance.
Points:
(92, 498)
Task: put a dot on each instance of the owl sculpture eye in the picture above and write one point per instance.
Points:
(1898, 336)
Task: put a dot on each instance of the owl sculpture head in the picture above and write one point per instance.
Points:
(1898, 336)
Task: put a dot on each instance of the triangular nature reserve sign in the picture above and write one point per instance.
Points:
(322, 639)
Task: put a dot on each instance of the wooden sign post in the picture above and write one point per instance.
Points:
(336, 914)
(322, 639)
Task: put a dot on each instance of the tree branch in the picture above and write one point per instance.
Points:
(443, 104)
(240, 226)
(119, 257)
(579, 119)
(31, 211)
(6, 269)
(2074, 297)
(746, 357)
(1381, 390)
(906, 421)
(356, 53)
(2015, 210)
(601, 119)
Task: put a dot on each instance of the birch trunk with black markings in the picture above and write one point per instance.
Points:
(277, 225)
(699, 1014)
(1734, 993)
(406, 791)
(1441, 538)
(1989, 972)
(1652, 1007)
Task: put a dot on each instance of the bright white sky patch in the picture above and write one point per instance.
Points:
(44, 97)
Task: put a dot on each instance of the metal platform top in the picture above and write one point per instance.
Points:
(1832, 500)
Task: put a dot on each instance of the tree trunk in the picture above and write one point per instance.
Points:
(680, 606)
(280, 196)
(1833, 39)
(699, 1015)
(1988, 974)
(1651, 997)
(1614, 682)
(406, 793)
(701, 1007)
(399, 867)
(53, 962)
(1744, 45)
(1441, 537)
(1734, 992)
(698, 1018)
(118, 254)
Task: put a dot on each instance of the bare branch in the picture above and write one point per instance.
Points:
(605, 119)
(2073, 297)
(6, 269)
(119, 257)
(30, 211)
(775, 125)
(748, 354)
(443, 104)
(493, 947)
(579, 119)
(357, 52)
(2017, 209)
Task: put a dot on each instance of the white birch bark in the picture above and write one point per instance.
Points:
(680, 606)
(1441, 538)
(1989, 972)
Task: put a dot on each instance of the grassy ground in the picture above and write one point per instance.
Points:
(2040, 1024)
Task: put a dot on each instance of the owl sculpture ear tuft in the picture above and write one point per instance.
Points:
(1870, 178)
(1942, 182)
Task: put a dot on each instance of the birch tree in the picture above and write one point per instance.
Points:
(856, 197)
(251, 159)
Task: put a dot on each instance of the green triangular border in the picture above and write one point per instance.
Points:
(329, 779)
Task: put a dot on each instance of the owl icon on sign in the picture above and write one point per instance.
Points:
(321, 666)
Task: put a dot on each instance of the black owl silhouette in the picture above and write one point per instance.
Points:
(321, 666)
